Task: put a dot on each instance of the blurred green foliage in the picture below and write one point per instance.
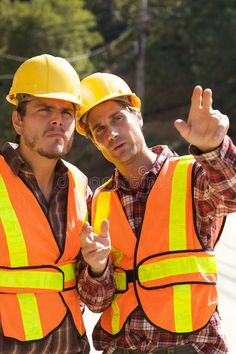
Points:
(187, 42)
(30, 28)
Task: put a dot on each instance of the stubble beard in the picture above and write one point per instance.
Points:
(55, 153)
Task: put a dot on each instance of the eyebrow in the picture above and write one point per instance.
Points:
(41, 105)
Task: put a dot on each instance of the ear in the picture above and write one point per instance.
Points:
(139, 118)
(17, 122)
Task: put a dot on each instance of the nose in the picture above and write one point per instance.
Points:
(57, 119)
(113, 134)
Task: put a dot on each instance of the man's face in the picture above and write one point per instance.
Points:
(116, 131)
(47, 128)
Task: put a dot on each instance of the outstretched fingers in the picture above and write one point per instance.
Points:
(207, 99)
(205, 128)
(196, 99)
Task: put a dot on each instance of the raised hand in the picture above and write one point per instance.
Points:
(205, 127)
(95, 248)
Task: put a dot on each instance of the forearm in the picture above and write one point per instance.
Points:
(215, 180)
(96, 292)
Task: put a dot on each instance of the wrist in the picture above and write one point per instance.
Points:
(205, 149)
(96, 272)
(199, 150)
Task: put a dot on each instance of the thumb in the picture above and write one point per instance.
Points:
(182, 127)
(105, 228)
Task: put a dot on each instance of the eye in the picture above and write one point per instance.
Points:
(68, 114)
(44, 109)
(99, 130)
(118, 117)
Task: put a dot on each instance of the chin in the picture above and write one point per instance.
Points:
(53, 153)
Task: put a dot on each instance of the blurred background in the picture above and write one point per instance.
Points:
(162, 48)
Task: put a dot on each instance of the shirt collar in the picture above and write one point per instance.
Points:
(12, 156)
(118, 181)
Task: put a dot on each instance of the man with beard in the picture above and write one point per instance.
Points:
(42, 208)
(166, 213)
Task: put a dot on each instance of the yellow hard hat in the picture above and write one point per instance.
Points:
(46, 76)
(100, 87)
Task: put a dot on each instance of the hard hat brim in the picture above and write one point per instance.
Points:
(53, 95)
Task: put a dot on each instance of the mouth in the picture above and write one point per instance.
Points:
(119, 146)
(55, 134)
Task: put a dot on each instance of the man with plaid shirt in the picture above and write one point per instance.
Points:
(111, 118)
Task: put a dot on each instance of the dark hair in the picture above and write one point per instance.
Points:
(21, 110)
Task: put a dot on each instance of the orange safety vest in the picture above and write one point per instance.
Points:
(37, 283)
(167, 271)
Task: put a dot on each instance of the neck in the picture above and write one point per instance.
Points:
(43, 169)
(134, 170)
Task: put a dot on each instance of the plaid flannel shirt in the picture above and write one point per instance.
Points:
(214, 195)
